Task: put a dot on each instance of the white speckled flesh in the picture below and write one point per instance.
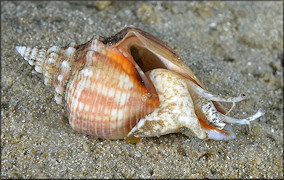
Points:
(176, 109)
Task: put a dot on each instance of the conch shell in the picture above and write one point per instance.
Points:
(131, 85)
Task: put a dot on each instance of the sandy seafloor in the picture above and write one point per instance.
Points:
(232, 47)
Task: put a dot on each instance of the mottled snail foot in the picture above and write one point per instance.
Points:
(178, 112)
(176, 109)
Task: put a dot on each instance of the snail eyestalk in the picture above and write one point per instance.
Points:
(213, 97)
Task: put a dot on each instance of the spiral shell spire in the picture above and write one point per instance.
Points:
(54, 63)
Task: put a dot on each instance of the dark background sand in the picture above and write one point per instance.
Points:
(232, 47)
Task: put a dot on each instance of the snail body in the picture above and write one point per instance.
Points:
(131, 85)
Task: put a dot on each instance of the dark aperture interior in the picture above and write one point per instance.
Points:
(145, 59)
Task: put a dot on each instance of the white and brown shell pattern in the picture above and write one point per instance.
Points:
(131, 85)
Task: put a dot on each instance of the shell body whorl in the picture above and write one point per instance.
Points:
(106, 98)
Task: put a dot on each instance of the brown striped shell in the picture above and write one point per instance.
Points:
(131, 84)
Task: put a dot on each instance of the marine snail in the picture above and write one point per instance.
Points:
(131, 85)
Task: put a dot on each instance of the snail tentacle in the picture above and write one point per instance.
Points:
(247, 120)
(213, 97)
